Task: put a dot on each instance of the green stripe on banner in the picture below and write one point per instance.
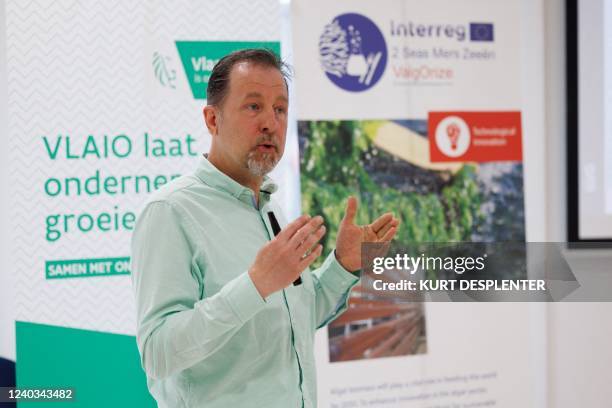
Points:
(86, 268)
(103, 368)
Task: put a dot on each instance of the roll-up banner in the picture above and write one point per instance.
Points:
(415, 108)
(105, 106)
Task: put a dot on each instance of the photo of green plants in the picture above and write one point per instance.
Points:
(385, 164)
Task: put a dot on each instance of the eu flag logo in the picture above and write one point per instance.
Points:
(481, 32)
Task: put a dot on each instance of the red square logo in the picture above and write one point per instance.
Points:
(475, 136)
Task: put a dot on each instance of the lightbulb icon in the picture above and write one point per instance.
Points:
(453, 131)
(452, 136)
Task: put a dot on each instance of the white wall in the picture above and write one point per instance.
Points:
(579, 334)
(534, 149)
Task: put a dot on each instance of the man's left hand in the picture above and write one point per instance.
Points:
(351, 236)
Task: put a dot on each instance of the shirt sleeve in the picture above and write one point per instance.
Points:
(332, 284)
(175, 327)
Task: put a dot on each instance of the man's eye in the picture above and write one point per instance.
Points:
(281, 110)
(253, 106)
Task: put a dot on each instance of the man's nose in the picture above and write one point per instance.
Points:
(269, 122)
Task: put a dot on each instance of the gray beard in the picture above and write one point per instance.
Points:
(262, 165)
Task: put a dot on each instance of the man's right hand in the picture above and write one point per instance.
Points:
(283, 259)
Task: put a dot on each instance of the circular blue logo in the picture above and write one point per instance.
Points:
(353, 52)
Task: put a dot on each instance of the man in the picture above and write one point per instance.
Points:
(220, 323)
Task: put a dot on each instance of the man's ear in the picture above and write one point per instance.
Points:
(211, 118)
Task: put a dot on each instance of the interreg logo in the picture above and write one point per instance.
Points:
(478, 32)
(353, 52)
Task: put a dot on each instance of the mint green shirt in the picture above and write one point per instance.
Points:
(206, 336)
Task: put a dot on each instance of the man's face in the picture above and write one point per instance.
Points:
(252, 119)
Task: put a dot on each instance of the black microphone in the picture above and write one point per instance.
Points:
(276, 229)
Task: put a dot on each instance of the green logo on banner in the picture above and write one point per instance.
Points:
(199, 58)
(164, 74)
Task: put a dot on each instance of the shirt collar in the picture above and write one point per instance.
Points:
(216, 179)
